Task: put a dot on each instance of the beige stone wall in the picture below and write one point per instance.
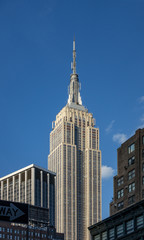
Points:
(76, 159)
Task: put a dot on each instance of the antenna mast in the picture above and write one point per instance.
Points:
(74, 58)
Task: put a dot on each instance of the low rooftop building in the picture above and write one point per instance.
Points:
(127, 224)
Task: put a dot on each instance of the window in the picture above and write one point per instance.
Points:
(142, 139)
(104, 235)
(120, 205)
(111, 234)
(140, 221)
(142, 193)
(131, 174)
(143, 180)
(130, 226)
(97, 237)
(120, 230)
(120, 181)
(131, 187)
(143, 167)
(120, 193)
(131, 160)
(131, 148)
(142, 153)
(131, 199)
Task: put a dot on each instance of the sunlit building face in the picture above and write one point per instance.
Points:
(76, 159)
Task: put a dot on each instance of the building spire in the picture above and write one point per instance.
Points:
(74, 58)
(74, 94)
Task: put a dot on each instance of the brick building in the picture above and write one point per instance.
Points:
(27, 232)
(129, 182)
(34, 226)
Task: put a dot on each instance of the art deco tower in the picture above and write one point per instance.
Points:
(76, 159)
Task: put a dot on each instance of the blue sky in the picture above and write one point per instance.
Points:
(35, 56)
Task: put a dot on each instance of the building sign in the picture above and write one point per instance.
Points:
(13, 212)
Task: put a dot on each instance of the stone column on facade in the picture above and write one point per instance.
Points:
(33, 186)
(13, 179)
(25, 186)
(2, 190)
(41, 181)
(7, 189)
(55, 198)
(19, 187)
(48, 190)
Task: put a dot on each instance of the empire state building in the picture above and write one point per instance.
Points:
(76, 159)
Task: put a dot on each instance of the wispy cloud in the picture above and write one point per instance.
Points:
(141, 126)
(45, 11)
(142, 118)
(107, 172)
(142, 122)
(109, 128)
(119, 138)
(141, 99)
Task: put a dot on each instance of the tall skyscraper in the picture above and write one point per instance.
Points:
(76, 159)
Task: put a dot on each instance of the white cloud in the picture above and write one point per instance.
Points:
(141, 99)
(107, 172)
(109, 128)
(142, 122)
(142, 118)
(119, 138)
(141, 126)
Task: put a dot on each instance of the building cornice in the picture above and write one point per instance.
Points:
(25, 169)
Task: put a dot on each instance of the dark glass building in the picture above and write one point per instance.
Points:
(36, 228)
